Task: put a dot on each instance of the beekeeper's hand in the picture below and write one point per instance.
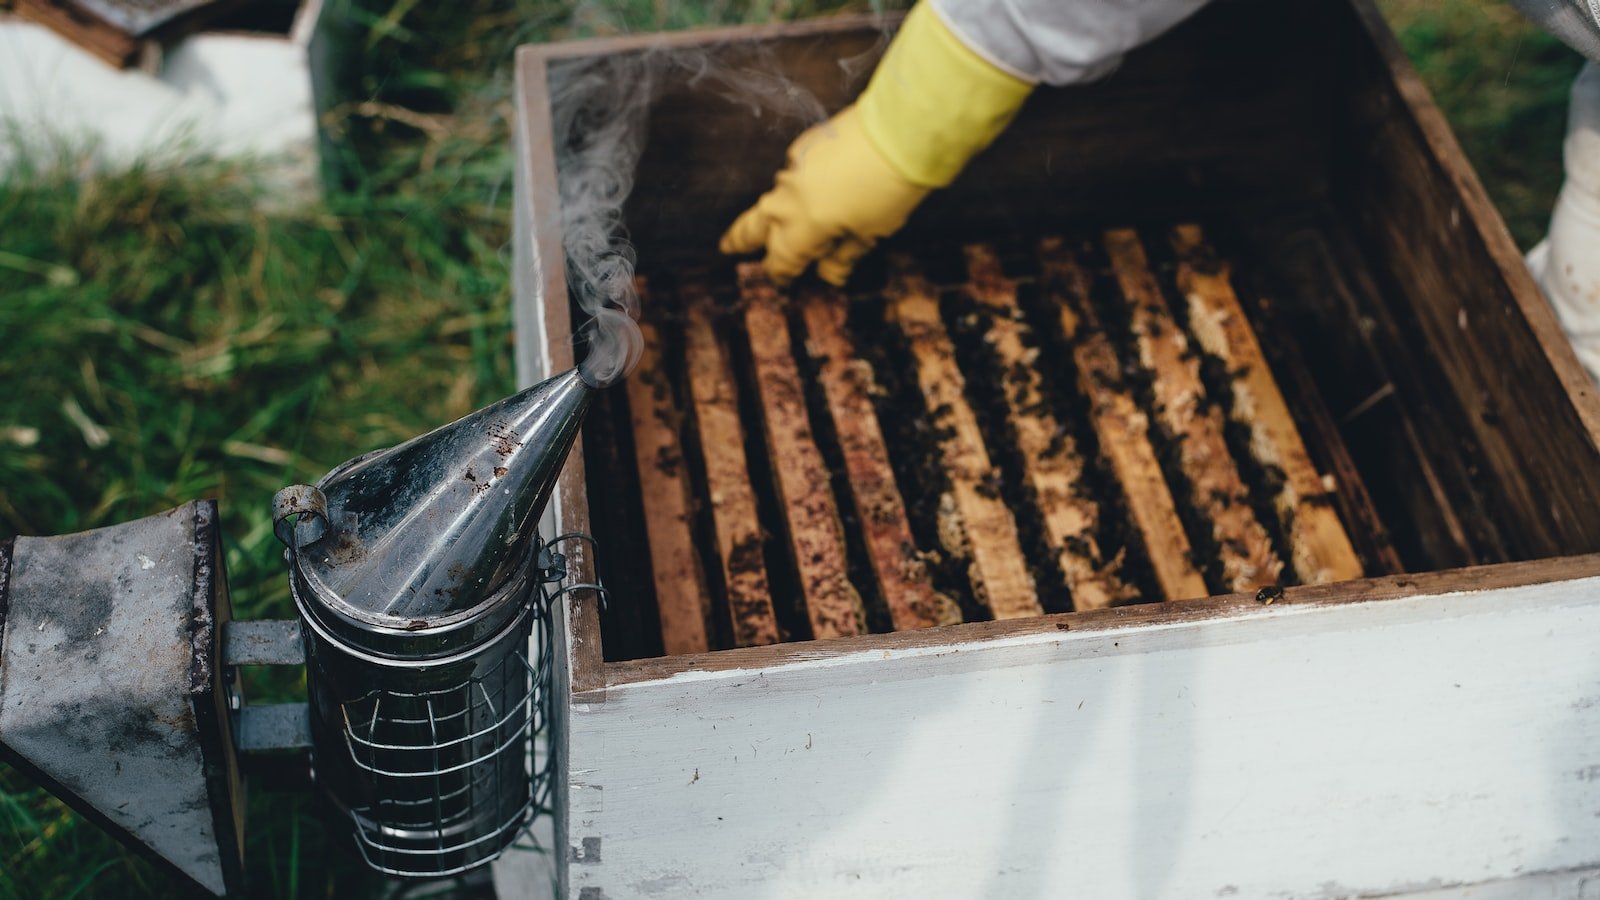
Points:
(833, 201)
(932, 105)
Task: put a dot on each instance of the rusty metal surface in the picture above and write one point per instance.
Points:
(211, 691)
(263, 642)
(96, 679)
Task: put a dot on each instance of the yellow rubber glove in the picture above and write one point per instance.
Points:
(931, 106)
(833, 201)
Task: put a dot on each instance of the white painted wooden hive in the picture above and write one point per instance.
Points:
(1421, 722)
(251, 92)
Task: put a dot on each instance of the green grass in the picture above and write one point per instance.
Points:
(165, 339)
(220, 352)
(1502, 83)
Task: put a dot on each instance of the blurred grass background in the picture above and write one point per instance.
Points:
(1503, 85)
(167, 339)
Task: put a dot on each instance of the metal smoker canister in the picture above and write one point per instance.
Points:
(413, 572)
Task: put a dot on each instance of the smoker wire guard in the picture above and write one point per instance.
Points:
(299, 506)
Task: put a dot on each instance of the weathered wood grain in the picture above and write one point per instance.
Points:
(1215, 487)
(804, 489)
(1425, 216)
(681, 595)
(1319, 548)
(733, 499)
(1364, 525)
(1152, 616)
(1052, 465)
(1332, 344)
(1366, 529)
(1122, 428)
(898, 566)
(975, 524)
(628, 619)
(543, 322)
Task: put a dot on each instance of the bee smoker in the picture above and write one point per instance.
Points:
(415, 572)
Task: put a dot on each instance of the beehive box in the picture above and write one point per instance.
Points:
(252, 84)
(1428, 728)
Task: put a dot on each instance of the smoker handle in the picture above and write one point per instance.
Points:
(299, 515)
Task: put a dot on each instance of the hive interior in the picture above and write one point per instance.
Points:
(970, 431)
(1391, 311)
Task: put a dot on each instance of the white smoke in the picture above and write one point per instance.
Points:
(600, 113)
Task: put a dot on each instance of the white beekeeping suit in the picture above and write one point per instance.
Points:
(1567, 261)
(1577, 22)
(1066, 41)
(1059, 42)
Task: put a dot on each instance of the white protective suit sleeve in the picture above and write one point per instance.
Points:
(1059, 42)
(1567, 261)
(1577, 22)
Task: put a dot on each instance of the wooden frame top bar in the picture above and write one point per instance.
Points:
(898, 567)
(815, 533)
(713, 396)
(681, 594)
(1122, 427)
(1295, 600)
(975, 523)
(1217, 489)
(1319, 548)
(1052, 464)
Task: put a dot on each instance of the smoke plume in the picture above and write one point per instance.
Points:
(600, 111)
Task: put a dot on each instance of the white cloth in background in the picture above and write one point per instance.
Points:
(1567, 261)
(1066, 41)
(1577, 22)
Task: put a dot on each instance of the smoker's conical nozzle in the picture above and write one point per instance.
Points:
(433, 527)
